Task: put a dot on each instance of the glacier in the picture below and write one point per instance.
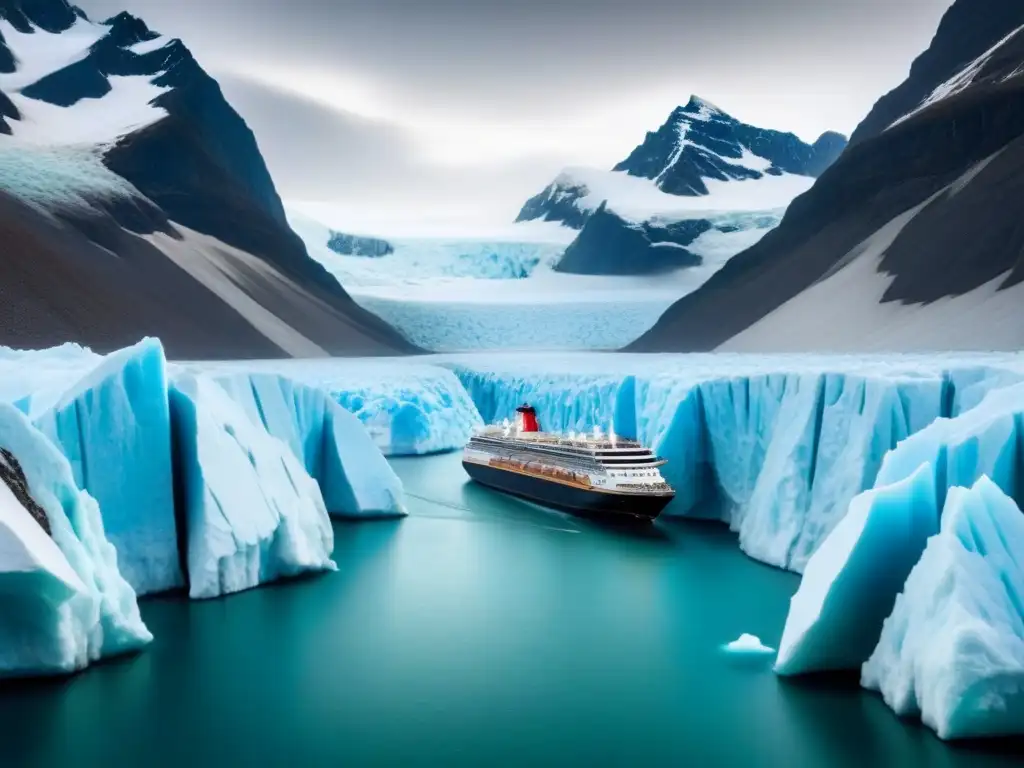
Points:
(63, 599)
(408, 408)
(952, 651)
(497, 289)
(251, 512)
(778, 456)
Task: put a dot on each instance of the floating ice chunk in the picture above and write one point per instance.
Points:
(63, 601)
(952, 652)
(332, 444)
(114, 427)
(252, 513)
(852, 580)
(748, 644)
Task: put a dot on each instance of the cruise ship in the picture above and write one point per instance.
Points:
(585, 474)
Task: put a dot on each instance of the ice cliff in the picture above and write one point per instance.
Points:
(251, 512)
(777, 455)
(952, 652)
(952, 647)
(110, 463)
(63, 600)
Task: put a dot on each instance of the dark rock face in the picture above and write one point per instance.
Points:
(967, 236)
(7, 111)
(608, 245)
(557, 203)
(713, 138)
(199, 167)
(6, 57)
(50, 15)
(357, 245)
(14, 476)
(966, 31)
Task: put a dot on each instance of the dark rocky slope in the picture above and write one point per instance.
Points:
(967, 236)
(200, 168)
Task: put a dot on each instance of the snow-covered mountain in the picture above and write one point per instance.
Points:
(912, 239)
(701, 165)
(134, 200)
(700, 152)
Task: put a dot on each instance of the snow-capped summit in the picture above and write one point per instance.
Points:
(702, 166)
(700, 142)
(113, 139)
(698, 151)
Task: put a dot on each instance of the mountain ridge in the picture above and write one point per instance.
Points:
(159, 122)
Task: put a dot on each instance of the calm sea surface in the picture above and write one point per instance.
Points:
(479, 631)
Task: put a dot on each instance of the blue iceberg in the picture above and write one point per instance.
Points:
(63, 601)
(252, 512)
(852, 580)
(331, 443)
(113, 426)
(952, 652)
(841, 595)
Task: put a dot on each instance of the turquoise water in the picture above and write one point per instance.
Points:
(479, 631)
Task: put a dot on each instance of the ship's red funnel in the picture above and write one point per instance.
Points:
(527, 419)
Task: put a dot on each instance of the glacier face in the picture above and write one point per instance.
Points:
(952, 651)
(406, 407)
(63, 600)
(778, 456)
(252, 513)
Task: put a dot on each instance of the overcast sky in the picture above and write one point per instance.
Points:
(474, 105)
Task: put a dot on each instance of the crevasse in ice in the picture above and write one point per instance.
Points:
(952, 652)
(63, 601)
(252, 513)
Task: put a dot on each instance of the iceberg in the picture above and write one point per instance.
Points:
(952, 651)
(64, 602)
(852, 580)
(331, 443)
(113, 425)
(252, 514)
(747, 644)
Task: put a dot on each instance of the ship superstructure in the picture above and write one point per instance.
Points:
(585, 473)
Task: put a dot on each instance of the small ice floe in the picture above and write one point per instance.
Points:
(748, 645)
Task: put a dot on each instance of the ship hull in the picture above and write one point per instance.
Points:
(569, 498)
